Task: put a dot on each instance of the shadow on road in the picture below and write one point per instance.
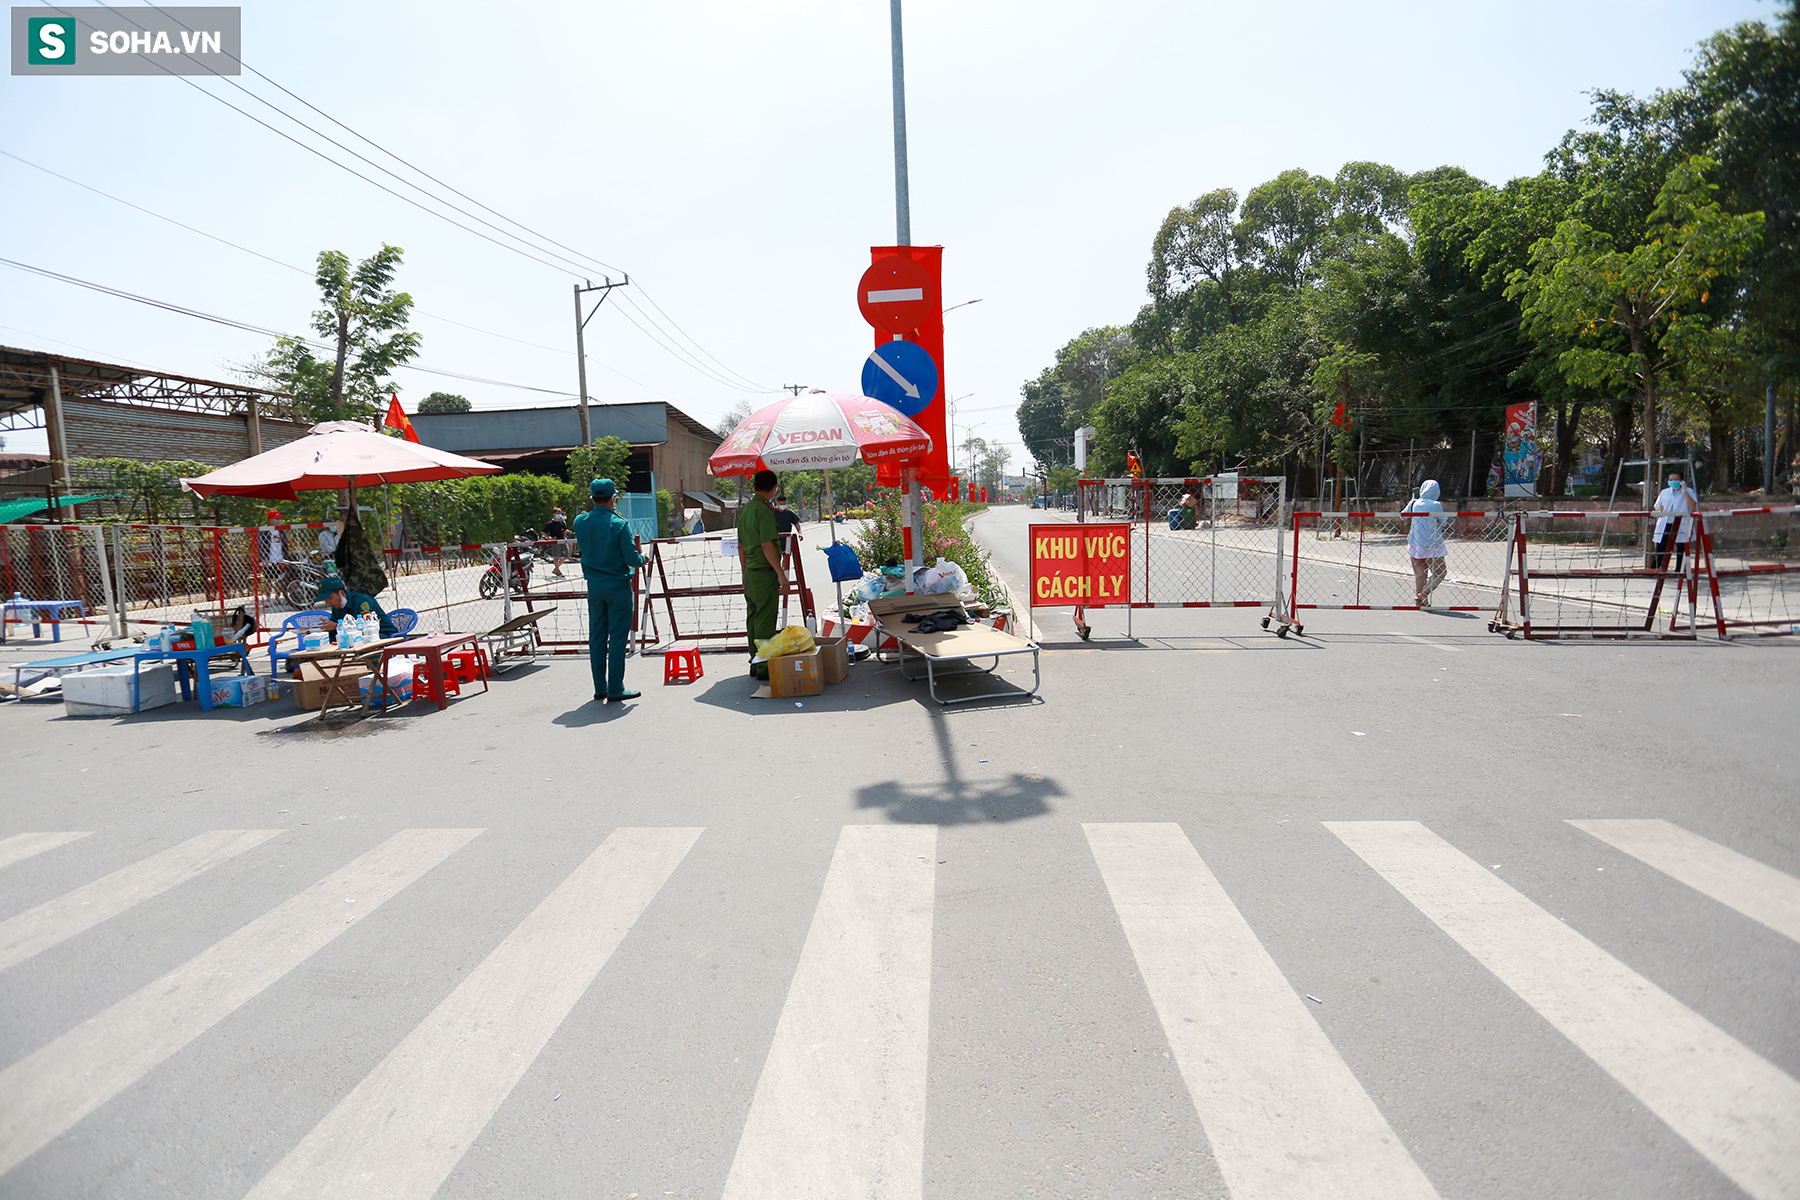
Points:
(594, 712)
(955, 802)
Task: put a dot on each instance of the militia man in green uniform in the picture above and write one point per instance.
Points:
(609, 558)
(759, 557)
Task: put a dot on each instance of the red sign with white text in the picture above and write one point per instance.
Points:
(1085, 565)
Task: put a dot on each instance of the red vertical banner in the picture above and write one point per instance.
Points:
(934, 472)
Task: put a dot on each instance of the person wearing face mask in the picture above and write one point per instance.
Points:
(1425, 541)
(1675, 526)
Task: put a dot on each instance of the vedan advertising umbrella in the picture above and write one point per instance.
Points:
(817, 431)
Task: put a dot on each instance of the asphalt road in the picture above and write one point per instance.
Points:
(1217, 914)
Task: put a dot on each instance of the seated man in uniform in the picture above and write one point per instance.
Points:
(345, 603)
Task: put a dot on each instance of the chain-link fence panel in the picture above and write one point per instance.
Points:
(1211, 542)
(57, 574)
(1368, 560)
(1753, 570)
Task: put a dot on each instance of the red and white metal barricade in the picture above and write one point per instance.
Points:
(1603, 576)
(696, 589)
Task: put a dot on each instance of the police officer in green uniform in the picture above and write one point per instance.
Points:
(759, 557)
(609, 558)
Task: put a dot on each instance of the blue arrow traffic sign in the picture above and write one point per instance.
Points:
(901, 374)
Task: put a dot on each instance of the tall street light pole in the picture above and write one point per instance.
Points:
(902, 203)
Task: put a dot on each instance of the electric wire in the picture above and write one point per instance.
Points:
(742, 382)
(301, 270)
(233, 323)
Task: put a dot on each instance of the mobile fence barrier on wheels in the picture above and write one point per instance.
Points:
(1209, 542)
(1604, 576)
(694, 589)
(1366, 561)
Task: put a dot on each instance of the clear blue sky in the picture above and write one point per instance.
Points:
(735, 156)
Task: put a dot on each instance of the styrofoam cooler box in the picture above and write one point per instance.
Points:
(108, 693)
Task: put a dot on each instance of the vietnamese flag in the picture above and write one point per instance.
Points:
(397, 419)
(1341, 418)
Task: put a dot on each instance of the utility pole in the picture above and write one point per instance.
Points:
(902, 202)
(793, 388)
(605, 289)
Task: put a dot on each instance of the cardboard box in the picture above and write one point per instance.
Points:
(834, 658)
(796, 675)
(234, 691)
(309, 689)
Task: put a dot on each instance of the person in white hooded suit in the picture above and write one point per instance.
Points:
(1425, 541)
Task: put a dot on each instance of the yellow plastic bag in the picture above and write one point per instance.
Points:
(792, 640)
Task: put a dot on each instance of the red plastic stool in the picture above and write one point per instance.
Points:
(681, 663)
(422, 688)
(466, 666)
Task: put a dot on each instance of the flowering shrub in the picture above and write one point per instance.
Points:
(945, 537)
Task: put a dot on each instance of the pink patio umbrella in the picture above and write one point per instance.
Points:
(332, 455)
(335, 454)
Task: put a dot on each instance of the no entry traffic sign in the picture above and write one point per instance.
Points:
(901, 374)
(896, 295)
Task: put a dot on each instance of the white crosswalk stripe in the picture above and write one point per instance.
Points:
(21, 846)
(49, 1090)
(53, 921)
(1735, 880)
(1731, 1105)
(840, 1108)
(1286, 1118)
(401, 1131)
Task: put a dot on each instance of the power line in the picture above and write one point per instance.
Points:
(303, 271)
(680, 356)
(182, 310)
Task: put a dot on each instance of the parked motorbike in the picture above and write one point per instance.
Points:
(296, 580)
(519, 561)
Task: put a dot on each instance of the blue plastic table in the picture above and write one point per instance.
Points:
(196, 660)
(74, 662)
(37, 609)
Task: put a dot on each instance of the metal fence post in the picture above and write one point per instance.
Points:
(114, 622)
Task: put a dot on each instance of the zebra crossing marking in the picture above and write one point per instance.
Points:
(1738, 1110)
(38, 929)
(839, 1109)
(1286, 1117)
(21, 846)
(1735, 880)
(402, 1130)
(48, 1091)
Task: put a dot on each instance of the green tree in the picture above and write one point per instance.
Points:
(1581, 283)
(444, 402)
(364, 323)
(608, 458)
